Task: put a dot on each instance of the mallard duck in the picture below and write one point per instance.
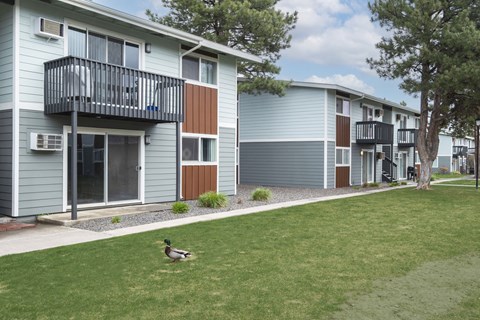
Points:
(175, 254)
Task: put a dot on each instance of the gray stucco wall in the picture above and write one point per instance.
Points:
(226, 161)
(282, 163)
(6, 162)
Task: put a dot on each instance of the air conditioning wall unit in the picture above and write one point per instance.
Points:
(381, 155)
(378, 113)
(396, 155)
(46, 141)
(48, 28)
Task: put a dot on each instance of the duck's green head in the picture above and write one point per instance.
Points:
(167, 241)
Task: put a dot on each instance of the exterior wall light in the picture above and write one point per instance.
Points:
(148, 47)
(148, 139)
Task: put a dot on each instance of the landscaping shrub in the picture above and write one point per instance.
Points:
(116, 219)
(403, 183)
(443, 170)
(393, 184)
(212, 199)
(373, 184)
(261, 194)
(180, 207)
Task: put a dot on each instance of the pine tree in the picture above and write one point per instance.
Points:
(253, 26)
(433, 47)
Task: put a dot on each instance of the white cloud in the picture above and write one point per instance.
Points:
(330, 32)
(349, 80)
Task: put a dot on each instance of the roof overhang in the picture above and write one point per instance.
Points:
(353, 92)
(158, 28)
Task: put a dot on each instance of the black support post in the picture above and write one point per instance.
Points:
(179, 164)
(73, 164)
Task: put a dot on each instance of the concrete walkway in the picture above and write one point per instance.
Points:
(50, 236)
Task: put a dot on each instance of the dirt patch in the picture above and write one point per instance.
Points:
(425, 293)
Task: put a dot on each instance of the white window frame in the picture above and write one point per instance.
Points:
(108, 33)
(104, 131)
(371, 153)
(435, 163)
(199, 137)
(342, 164)
(201, 57)
(349, 108)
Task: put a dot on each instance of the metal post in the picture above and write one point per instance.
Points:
(73, 164)
(477, 144)
(179, 164)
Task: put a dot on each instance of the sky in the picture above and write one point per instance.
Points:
(330, 44)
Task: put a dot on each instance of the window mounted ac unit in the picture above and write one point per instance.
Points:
(48, 28)
(396, 155)
(378, 113)
(46, 142)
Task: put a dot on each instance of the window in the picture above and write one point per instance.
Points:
(343, 156)
(343, 106)
(435, 163)
(199, 149)
(417, 123)
(199, 69)
(88, 44)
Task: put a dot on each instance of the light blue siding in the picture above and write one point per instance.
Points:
(6, 53)
(443, 162)
(297, 164)
(297, 115)
(331, 115)
(227, 169)
(34, 50)
(160, 164)
(356, 165)
(227, 95)
(445, 146)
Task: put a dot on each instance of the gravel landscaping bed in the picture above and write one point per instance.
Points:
(239, 201)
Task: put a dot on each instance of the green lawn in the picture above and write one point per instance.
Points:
(440, 176)
(468, 182)
(295, 263)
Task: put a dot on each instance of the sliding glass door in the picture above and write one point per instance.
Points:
(107, 168)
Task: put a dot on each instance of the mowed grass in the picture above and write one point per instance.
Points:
(296, 263)
(466, 182)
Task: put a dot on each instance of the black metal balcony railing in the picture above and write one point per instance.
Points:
(459, 151)
(407, 137)
(101, 89)
(369, 132)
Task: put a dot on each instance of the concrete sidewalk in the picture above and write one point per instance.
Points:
(51, 236)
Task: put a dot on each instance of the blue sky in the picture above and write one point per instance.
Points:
(330, 43)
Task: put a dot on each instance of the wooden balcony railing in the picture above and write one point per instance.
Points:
(407, 137)
(100, 89)
(370, 132)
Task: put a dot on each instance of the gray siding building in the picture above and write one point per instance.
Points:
(131, 90)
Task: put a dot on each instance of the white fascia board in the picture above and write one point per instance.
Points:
(159, 28)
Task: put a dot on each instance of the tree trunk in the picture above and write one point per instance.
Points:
(425, 176)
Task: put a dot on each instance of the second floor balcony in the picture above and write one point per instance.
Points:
(407, 137)
(459, 151)
(372, 132)
(105, 90)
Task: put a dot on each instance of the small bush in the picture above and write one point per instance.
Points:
(403, 183)
(393, 184)
(212, 199)
(116, 219)
(373, 184)
(261, 194)
(443, 170)
(180, 207)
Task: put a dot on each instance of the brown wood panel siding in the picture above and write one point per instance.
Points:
(343, 131)
(342, 176)
(201, 110)
(197, 180)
